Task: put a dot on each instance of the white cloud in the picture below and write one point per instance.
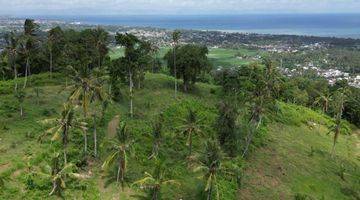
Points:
(58, 7)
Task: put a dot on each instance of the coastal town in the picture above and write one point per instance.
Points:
(262, 43)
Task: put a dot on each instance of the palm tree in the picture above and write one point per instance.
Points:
(54, 41)
(192, 126)
(175, 38)
(155, 181)
(106, 100)
(130, 42)
(210, 164)
(339, 101)
(62, 126)
(27, 45)
(57, 174)
(12, 50)
(88, 86)
(120, 148)
(154, 51)
(323, 100)
(157, 136)
(100, 39)
(261, 100)
(255, 122)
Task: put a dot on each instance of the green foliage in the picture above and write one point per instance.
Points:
(227, 128)
(155, 181)
(191, 61)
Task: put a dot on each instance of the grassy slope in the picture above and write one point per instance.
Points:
(276, 171)
(157, 96)
(286, 167)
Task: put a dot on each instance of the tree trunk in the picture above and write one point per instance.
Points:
(95, 138)
(26, 72)
(336, 135)
(186, 85)
(333, 149)
(85, 141)
(156, 194)
(51, 63)
(99, 61)
(209, 195)
(139, 82)
(64, 142)
(118, 172)
(250, 137)
(65, 156)
(153, 66)
(109, 91)
(53, 191)
(122, 172)
(131, 85)
(15, 78)
(29, 72)
(175, 72)
(21, 111)
(190, 144)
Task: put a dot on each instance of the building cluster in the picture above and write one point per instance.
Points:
(331, 75)
(289, 48)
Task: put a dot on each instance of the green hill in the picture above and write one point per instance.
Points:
(292, 162)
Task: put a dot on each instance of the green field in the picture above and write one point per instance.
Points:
(293, 162)
(217, 56)
(228, 57)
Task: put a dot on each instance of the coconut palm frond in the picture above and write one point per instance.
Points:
(57, 134)
(109, 160)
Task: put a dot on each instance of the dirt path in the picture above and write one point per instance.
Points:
(112, 126)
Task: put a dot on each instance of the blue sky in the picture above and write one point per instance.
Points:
(186, 7)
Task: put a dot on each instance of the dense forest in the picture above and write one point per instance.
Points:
(156, 128)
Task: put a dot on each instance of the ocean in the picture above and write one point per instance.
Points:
(333, 25)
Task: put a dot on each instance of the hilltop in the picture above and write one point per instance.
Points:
(290, 160)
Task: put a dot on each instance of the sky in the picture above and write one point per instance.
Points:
(177, 7)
